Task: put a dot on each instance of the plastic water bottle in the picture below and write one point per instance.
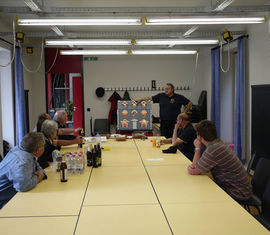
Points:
(73, 164)
(54, 157)
(79, 161)
(68, 158)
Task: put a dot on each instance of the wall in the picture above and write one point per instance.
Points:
(138, 71)
(6, 97)
(35, 83)
(258, 69)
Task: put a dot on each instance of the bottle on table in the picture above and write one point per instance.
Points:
(99, 154)
(95, 157)
(79, 163)
(63, 170)
(73, 163)
(158, 141)
(58, 160)
(89, 156)
(81, 134)
(154, 142)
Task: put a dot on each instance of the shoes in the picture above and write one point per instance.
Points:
(172, 149)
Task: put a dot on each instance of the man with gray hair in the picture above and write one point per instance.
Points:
(64, 132)
(19, 170)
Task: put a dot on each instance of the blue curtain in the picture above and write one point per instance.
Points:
(239, 102)
(20, 98)
(215, 97)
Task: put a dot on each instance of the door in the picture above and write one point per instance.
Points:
(77, 102)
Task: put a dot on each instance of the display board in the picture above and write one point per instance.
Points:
(132, 116)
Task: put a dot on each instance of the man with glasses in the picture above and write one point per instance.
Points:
(170, 105)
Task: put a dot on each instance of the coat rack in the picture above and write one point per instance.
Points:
(181, 88)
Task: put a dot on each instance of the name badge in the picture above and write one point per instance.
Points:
(172, 101)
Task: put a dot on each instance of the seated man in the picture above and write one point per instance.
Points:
(218, 157)
(64, 133)
(19, 170)
(183, 137)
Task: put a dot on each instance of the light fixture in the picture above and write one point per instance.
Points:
(57, 31)
(94, 52)
(127, 42)
(203, 20)
(164, 52)
(32, 5)
(82, 21)
(160, 42)
(128, 52)
(190, 31)
(88, 42)
(221, 5)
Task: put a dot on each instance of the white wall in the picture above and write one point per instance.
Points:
(138, 71)
(6, 97)
(35, 83)
(258, 66)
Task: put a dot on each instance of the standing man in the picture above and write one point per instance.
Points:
(218, 157)
(19, 170)
(183, 137)
(170, 105)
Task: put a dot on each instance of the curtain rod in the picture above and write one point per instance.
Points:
(224, 44)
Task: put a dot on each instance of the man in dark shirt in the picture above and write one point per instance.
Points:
(170, 105)
(64, 133)
(183, 136)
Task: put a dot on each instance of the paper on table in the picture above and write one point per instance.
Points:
(96, 139)
(154, 159)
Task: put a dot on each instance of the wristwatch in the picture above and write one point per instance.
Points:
(196, 149)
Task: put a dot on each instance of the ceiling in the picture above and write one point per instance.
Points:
(10, 9)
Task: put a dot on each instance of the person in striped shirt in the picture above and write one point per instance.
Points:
(227, 170)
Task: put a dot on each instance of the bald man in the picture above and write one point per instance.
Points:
(183, 137)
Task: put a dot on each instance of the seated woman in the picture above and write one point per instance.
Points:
(41, 118)
(49, 128)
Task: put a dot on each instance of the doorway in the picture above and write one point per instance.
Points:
(64, 83)
(64, 91)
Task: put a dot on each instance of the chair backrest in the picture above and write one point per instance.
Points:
(266, 201)
(251, 162)
(261, 177)
(101, 126)
(202, 103)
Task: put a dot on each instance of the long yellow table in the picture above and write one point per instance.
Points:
(138, 190)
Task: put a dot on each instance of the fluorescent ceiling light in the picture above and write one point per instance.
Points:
(164, 52)
(127, 42)
(32, 5)
(89, 42)
(203, 20)
(160, 42)
(94, 52)
(128, 52)
(221, 5)
(57, 31)
(191, 30)
(89, 21)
